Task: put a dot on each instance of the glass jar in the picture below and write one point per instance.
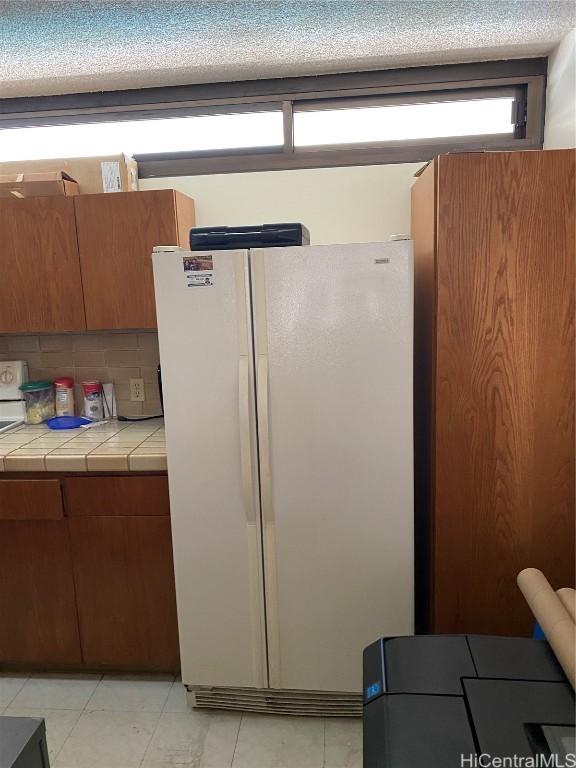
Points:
(38, 401)
(64, 395)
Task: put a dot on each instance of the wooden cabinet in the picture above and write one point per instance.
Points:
(31, 500)
(87, 582)
(40, 287)
(38, 623)
(84, 262)
(117, 495)
(116, 235)
(494, 383)
(123, 570)
(125, 587)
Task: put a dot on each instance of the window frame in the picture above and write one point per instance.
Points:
(524, 78)
(425, 97)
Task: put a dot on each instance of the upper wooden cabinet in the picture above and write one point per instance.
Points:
(71, 264)
(40, 286)
(116, 235)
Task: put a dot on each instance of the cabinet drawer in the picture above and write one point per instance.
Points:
(30, 500)
(116, 496)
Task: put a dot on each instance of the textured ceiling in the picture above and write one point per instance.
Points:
(63, 46)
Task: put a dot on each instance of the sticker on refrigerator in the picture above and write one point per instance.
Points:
(198, 270)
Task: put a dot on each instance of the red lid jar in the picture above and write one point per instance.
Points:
(92, 387)
(64, 381)
(64, 395)
(93, 400)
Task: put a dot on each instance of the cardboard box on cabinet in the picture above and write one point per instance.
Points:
(111, 173)
(21, 185)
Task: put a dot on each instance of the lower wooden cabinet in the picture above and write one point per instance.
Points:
(125, 591)
(38, 622)
(86, 573)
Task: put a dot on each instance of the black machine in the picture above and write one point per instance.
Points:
(23, 743)
(441, 701)
(260, 236)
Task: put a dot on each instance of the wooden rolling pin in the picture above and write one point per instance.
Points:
(553, 618)
(568, 599)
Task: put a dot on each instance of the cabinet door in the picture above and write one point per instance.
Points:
(504, 403)
(41, 287)
(116, 235)
(38, 623)
(125, 588)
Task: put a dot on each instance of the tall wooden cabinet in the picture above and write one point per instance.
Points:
(494, 239)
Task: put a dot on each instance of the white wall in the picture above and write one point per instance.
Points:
(338, 205)
(560, 125)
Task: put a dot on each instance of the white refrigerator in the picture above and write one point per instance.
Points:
(287, 381)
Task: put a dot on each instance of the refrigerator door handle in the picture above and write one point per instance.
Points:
(269, 527)
(245, 442)
(264, 439)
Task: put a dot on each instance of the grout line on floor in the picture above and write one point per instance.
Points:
(100, 678)
(324, 744)
(81, 712)
(67, 737)
(237, 739)
(152, 735)
(25, 678)
(167, 696)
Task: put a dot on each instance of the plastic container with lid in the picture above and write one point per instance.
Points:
(64, 395)
(38, 401)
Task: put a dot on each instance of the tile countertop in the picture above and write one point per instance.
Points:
(114, 446)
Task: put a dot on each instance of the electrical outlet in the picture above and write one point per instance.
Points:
(137, 390)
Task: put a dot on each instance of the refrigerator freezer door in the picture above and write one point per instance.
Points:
(333, 335)
(208, 381)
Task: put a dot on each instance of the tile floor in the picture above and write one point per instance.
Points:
(128, 722)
